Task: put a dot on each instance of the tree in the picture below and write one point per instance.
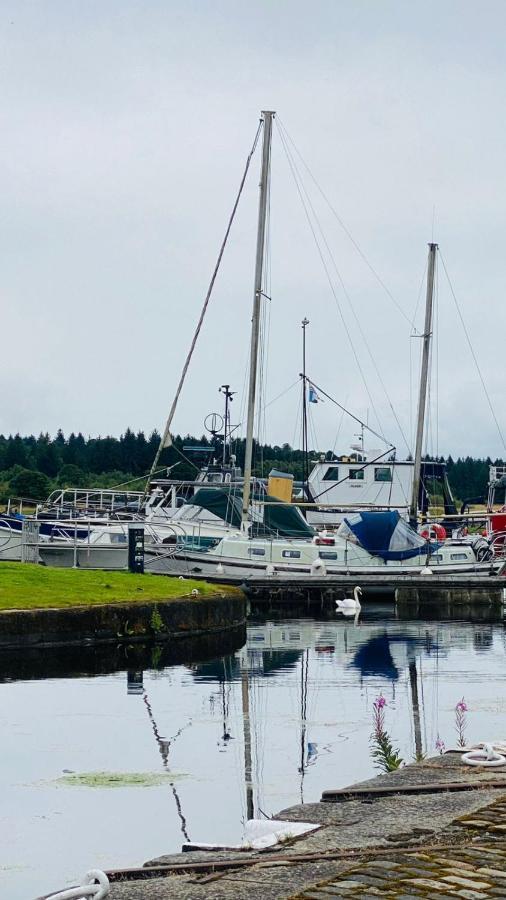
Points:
(30, 484)
(71, 476)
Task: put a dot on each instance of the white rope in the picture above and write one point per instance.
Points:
(88, 889)
(485, 754)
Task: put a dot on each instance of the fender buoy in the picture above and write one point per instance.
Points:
(434, 533)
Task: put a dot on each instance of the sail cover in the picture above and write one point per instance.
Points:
(278, 519)
(384, 534)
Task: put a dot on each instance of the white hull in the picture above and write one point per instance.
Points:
(233, 558)
(92, 556)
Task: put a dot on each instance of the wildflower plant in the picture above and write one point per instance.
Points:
(461, 722)
(382, 750)
(440, 746)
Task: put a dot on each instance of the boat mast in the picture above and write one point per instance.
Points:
(305, 467)
(422, 399)
(267, 118)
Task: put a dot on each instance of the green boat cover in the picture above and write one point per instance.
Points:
(279, 519)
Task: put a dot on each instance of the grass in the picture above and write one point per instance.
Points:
(28, 586)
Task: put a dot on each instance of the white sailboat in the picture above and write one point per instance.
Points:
(362, 544)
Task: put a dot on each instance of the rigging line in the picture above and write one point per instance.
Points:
(339, 429)
(472, 351)
(294, 172)
(343, 226)
(420, 289)
(166, 432)
(186, 458)
(356, 419)
(357, 322)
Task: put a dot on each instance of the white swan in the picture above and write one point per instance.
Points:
(351, 602)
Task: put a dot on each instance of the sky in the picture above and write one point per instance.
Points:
(125, 128)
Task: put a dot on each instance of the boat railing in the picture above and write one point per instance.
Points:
(21, 505)
(66, 499)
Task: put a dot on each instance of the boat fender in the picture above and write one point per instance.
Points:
(484, 757)
(270, 570)
(318, 567)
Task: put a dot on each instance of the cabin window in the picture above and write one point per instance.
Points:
(458, 555)
(327, 554)
(332, 474)
(256, 551)
(437, 557)
(383, 473)
(356, 475)
(291, 554)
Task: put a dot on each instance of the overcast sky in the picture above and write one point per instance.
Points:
(125, 126)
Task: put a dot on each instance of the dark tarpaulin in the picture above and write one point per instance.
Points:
(279, 519)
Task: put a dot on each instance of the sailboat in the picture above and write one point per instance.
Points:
(368, 542)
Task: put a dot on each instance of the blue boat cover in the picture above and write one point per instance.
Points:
(385, 534)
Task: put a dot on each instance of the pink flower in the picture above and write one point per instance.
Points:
(380, 701)
(440, 745)
(461, 706)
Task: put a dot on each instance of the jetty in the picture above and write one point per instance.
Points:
(434, 829)
(284, 587)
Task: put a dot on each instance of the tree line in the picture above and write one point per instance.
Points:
(33, 466)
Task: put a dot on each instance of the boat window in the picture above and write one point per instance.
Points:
(291, 554)
(332, 474)
(326, 554)
(458, 555)
(256, 551)
(383, 473)
(357, 475)
(437, 557)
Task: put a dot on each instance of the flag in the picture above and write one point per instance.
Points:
(312, 395)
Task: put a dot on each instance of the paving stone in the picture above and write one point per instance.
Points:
(427, 883)
(471, 895)
(467, 882)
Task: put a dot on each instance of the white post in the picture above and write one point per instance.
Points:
(255, 322)
(422, 399)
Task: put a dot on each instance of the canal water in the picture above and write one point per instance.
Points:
(111, 770)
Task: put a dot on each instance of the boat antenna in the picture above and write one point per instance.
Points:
(229, 396)
(267, 118)
(166, 439)
(424, 374)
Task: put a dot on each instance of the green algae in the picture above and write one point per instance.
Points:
(118, 779)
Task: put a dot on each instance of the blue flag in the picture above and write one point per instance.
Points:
(312, 395)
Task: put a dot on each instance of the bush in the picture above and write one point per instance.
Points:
(30, 484)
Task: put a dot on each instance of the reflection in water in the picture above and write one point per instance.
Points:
(253, 732)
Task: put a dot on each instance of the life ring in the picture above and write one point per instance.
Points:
(485, 757)
(434, 533)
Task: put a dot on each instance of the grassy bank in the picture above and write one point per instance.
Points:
(27, 586)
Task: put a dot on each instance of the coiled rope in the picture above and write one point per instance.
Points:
(88, 889)
(485, 754)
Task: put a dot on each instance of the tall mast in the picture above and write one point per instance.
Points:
(305, 473)
(422, 399)
(267, 118)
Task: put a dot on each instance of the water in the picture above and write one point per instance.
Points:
(310, 686)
